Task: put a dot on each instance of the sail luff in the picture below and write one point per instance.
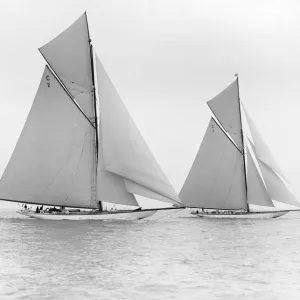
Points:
(242, 141)
(65, 88)
(95, 120)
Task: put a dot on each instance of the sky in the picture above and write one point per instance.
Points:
(167, 58)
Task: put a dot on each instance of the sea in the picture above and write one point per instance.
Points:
(168, 256)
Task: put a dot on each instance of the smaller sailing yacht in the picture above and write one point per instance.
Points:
(79, 146)
(233, 176)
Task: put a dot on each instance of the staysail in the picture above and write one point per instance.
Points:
(51, 163)
(216, 179)
(111, 187)
(256, 190)
(125, 152)
(226, 108)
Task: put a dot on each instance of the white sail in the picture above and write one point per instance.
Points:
(51, 163)
(256, 190)
(111, 187)
(69, 56)
(125, 153)
(276, 188)
(226, 108)
(216, 179)
(260, 148)
(135, 188)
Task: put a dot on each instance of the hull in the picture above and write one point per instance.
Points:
(121, 215)
(250, 215)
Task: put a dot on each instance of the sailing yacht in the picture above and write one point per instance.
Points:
(79, 146)
(234, 175)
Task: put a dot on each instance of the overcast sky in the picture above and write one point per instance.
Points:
(166, 59)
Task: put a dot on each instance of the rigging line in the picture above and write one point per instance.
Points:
(225, 132)
(79, 160)
(243, 142)
(94, 86)
(49, 67)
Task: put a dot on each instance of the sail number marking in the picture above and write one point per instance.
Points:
(48, 80)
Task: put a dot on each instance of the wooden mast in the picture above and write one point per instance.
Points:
(243, 143)
(94, 184)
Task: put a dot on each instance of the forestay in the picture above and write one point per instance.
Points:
(51, 163)
(256, 190)
(216, 179)
(226, 108)
(125, 153)
(69, 56)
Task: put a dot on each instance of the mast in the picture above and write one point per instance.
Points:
(243, 142)
(94, 166)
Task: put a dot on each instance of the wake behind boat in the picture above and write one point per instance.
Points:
(231, 173)
(79, 146)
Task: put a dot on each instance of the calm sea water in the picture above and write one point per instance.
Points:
(174, 257)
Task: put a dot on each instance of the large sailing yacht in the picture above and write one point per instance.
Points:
(234, 176)
(79, 146)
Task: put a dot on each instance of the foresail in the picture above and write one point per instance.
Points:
(51, 163)
(256, 190)
(137, 189)
(69, 56)
(226, 108)
(125, 153)
(260, 148)
(276, 187)
(111, 188)
(216, 179)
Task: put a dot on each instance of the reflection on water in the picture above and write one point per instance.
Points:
(175, 257)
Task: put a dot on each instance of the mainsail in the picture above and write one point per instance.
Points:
(216, 179)
(61, 158)
(51, 163)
